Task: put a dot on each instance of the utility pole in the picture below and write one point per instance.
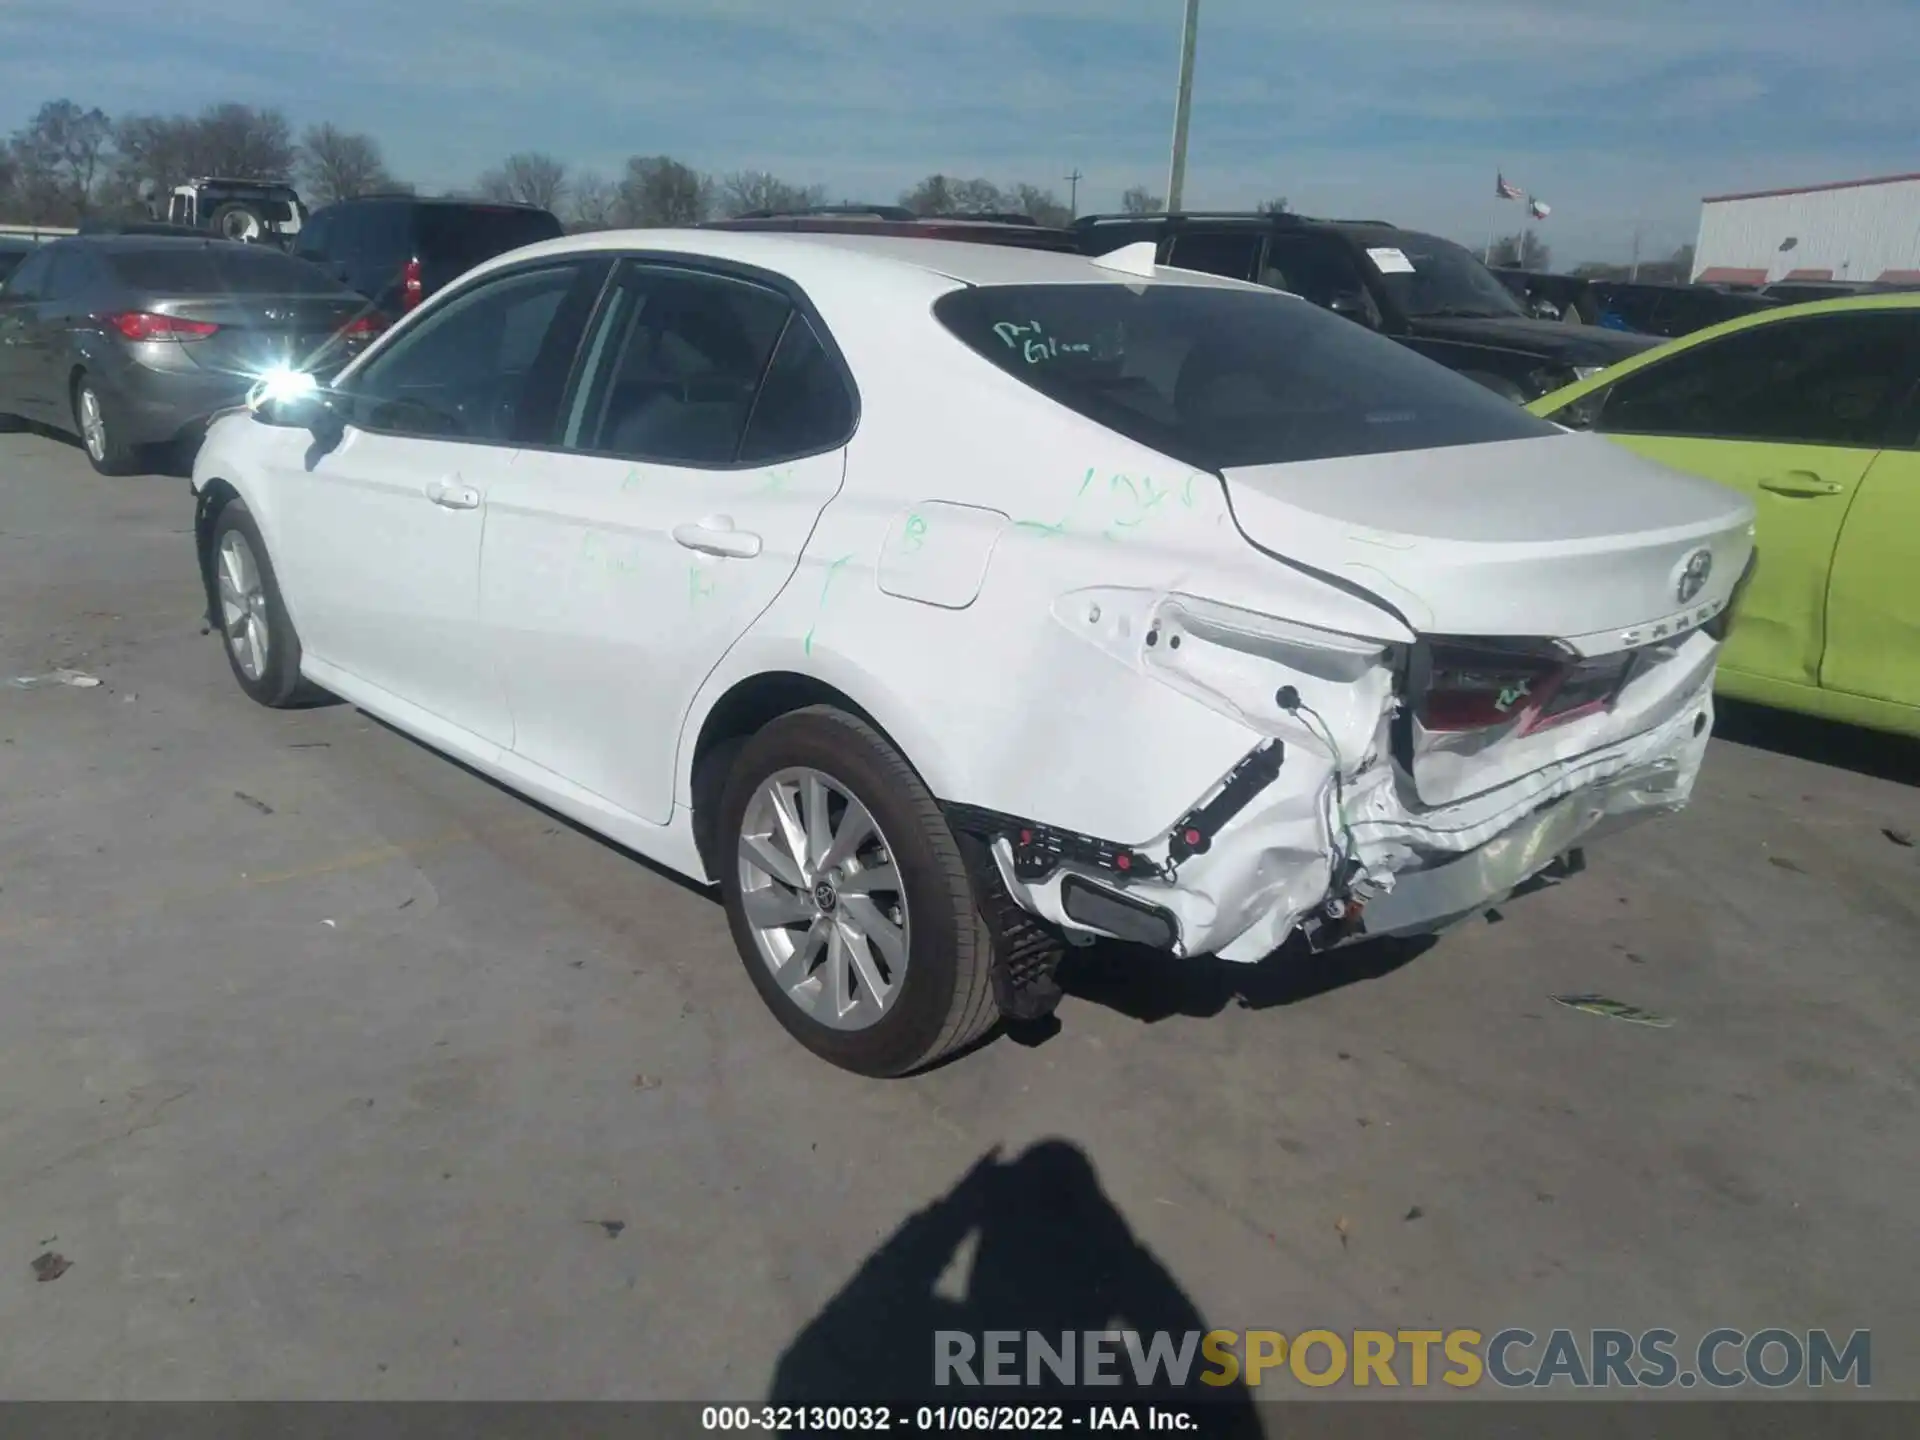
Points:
(1073, 195)
(1177, 171)
(1633, 275)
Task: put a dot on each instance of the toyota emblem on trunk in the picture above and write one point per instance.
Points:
(1693, 575)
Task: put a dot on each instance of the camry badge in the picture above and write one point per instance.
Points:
(1693, 575)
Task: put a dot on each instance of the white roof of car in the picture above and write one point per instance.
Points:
(802, 255)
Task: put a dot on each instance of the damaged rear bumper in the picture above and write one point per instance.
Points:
(1357, 859)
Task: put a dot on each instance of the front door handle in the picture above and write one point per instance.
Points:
(1802, 483)
(715, 535)
(452, 495)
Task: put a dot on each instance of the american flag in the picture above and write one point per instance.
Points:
(1539, 209)
(1503, 189)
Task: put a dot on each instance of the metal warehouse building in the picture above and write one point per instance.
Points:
(1851, 230)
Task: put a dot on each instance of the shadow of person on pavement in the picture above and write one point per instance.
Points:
(1025, 1245)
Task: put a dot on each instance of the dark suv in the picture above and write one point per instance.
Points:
(1430, 294)
(398, 249)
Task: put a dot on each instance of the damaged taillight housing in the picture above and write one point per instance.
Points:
(1240, 660)
(1466, 685)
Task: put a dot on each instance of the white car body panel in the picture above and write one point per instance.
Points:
(603, 625)
(1530, 537)
(979, 570)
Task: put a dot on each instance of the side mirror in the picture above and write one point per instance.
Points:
(1354, 305)
(294, 400)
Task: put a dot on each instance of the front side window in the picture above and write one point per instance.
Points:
(1220, 377)
(489, 365)
(1828, 380)
(1314, 268)
(675, 365)
(1427, 277)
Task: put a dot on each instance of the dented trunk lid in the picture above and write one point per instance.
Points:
(1567, 536)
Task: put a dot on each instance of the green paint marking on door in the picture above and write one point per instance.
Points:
(826, 584)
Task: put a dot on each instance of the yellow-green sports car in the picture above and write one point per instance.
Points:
(1814, 412)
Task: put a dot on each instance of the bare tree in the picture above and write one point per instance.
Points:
(338, 164)
(59, 160)
(528, 178)
(977, 197)
(932, 196)
(748, 190)
(1276, 206)
(659, 190)
(1138, 200)
(239, 140)
(1043, 205)
(593, 202)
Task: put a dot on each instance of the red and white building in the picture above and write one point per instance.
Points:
(1849, 230)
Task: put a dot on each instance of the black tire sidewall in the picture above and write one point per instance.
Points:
(824, 740)
(278, 685)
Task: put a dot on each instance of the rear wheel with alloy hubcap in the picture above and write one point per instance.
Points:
(99, 431)
(848, 897)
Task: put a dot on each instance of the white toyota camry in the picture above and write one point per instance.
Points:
(947, 604)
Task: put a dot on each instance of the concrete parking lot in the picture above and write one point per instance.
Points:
(331, 1069)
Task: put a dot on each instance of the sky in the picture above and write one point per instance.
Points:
(1620, 115)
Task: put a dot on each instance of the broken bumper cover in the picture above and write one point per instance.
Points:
(1365, 863)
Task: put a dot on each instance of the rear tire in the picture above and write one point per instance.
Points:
(97, 424)
(940, 999)
(262, 646)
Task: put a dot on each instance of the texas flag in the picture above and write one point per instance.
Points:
(1503, 189)
(1539, 209)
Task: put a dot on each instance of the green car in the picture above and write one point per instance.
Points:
(1814, 412)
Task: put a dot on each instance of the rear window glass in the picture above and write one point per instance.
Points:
(1218, 378)
(464, 236)
(216, 268)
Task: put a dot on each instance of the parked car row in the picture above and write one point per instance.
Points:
(131, 336)
(946, 603)
(947, 594)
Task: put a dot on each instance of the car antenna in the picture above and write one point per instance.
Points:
(1134, 259)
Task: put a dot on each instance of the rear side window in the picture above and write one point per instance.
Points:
(215, 268)
(1229, 253)
(676, 367)
(804, 406)
(461, 236)
(1221, 378)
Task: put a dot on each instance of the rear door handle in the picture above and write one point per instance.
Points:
(1803, 483)
(715, 535)
(452, 495)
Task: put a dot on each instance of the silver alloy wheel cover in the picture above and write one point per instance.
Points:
(93, 425)
(824, 898)
(243, 604)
